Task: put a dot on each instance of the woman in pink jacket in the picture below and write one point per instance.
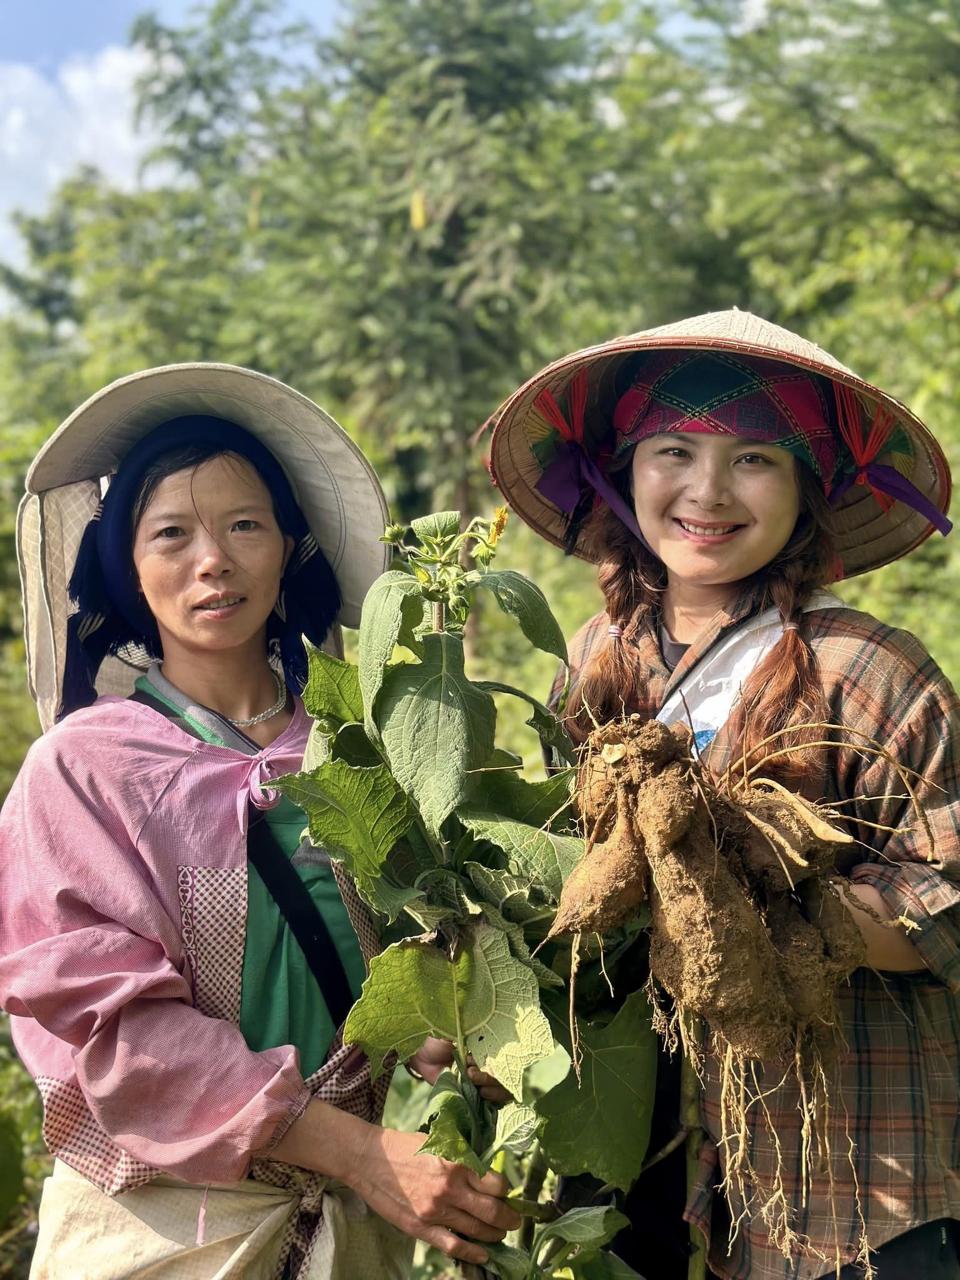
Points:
(175, 960)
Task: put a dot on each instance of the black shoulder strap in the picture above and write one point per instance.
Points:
(301, 913)
(287, 890)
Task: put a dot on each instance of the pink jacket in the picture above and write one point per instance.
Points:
(123, 888)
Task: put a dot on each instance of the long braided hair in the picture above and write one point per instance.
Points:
(785, 690)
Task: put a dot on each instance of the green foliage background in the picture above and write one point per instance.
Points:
(407, 219)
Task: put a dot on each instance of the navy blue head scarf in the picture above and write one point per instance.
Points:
(111, 612)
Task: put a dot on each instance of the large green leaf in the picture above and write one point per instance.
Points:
(590, 1227)
(523, 600)
(391, 610)
(501, 790)
(544, 722)
(357, 816)
(601, 1125)
(333, 689)
(531, 852)
(485, 999)
(436, 727)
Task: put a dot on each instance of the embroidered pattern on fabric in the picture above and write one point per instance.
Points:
(73, 1136)
(213, 914)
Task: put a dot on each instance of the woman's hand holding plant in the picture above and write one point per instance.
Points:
(424, 1196)
(429, 1198)
(436, 1056)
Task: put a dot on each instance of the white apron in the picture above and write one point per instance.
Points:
(172, 1230)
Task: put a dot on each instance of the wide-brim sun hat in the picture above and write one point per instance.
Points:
(870, 529)
(333, 483)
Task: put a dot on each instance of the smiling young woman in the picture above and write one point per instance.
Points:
(722, 472)
(714, 510)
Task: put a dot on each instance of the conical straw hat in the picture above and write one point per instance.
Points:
(867, 536)
(335, 486)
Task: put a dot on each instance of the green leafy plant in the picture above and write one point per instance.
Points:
(463, 859)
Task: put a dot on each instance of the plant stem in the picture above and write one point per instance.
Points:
(459, 1047)
(690, 1119)
(555, 1253)
(539, 1212)
(439, 616)
(532, 1186)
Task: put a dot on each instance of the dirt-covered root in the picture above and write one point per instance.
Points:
(624, 753)
(784, 840)
(710, 951)
(607, 887)
(632, 768)
(806, 978)
(743, 932)
(843, 943)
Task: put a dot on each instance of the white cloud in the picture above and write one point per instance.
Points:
(48, 127)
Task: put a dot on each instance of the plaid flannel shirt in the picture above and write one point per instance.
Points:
(897, 1121)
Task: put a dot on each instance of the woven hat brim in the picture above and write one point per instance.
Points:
(336, 487)
(866, 536)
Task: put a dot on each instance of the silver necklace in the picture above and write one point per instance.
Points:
(270, 712)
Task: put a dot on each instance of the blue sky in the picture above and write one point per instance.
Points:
(66, 77)
(45, 33)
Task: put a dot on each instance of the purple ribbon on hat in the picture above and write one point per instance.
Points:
(889, 480)
(571, 471)
(885, 482)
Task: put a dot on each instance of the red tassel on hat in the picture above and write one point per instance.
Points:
(546, 403)
(864, 451)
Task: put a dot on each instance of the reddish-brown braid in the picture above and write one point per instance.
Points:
(784, 690)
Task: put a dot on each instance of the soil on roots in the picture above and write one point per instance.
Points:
(747, 931)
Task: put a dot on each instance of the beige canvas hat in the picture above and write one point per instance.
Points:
(334, 484)
(870, 531)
